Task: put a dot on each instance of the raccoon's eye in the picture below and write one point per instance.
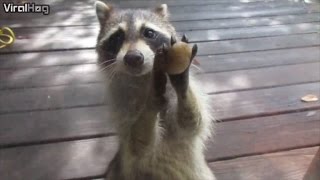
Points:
(149, 33)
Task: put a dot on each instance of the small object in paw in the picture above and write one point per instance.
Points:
(309, 98)
(179, 57)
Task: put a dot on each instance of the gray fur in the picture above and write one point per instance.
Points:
(161, 135)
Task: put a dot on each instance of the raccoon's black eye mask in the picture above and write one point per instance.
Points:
(115, 41)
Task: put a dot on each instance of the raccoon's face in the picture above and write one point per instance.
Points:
(128, 39)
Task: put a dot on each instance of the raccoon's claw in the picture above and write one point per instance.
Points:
(194, 51)
(159, 77)
(159, 83)
(173, 40)
(160, 57)
(179, 59)
(165, 49)
(184, 38)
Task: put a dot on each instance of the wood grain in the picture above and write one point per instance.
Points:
(14, 63)
(86, 121)
(93, 94)
(33, 39)
(249, 136)
(246, 22)
(60, 11)
(289, 165)
(247, 104)
(51, 98)
(205, 48)
(258, 44)
(264, 135)
(54, 125)
(65, 160)
(211, 82)
(259, 59)
(313, 172)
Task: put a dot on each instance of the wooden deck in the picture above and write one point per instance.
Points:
(258, 59)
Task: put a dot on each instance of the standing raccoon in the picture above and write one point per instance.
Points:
(162, 119)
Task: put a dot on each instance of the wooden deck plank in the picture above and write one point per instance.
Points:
(254, 13)
(288, 165)
(61, 14)
(211, 82)
(53, 77)
(264, 135)
(33, 39)
(239, 33)
(54, 125)
(291, 23)
(258, 44)
(205, 48)
(247, 104)
(13, 63)
(66, 160)
(245, 22)
(43, 59)
(227, 106)
(222, 23)
(72, 6)
(143, 3)
(98, 153)
(232, 139)
(177, 6)
(89, 12)
(51, 98)
(259, 78)
(259, 59)
(313, 172)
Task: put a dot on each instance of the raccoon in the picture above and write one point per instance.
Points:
(160, 114)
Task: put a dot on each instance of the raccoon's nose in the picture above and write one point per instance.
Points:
(133, 58)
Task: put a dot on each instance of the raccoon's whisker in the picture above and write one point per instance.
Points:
(104, 68)
(110, 76)
(107, 67)
(106, 61)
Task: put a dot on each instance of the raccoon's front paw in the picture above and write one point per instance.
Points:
(159, 80)
(178, 61)
(179, 56)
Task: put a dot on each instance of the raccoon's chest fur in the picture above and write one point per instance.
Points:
(174, 156)
(170, 160)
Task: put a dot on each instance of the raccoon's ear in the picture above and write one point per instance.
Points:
(103, 11)
(162, 10)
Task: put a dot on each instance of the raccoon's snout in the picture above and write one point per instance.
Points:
(133, 58)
